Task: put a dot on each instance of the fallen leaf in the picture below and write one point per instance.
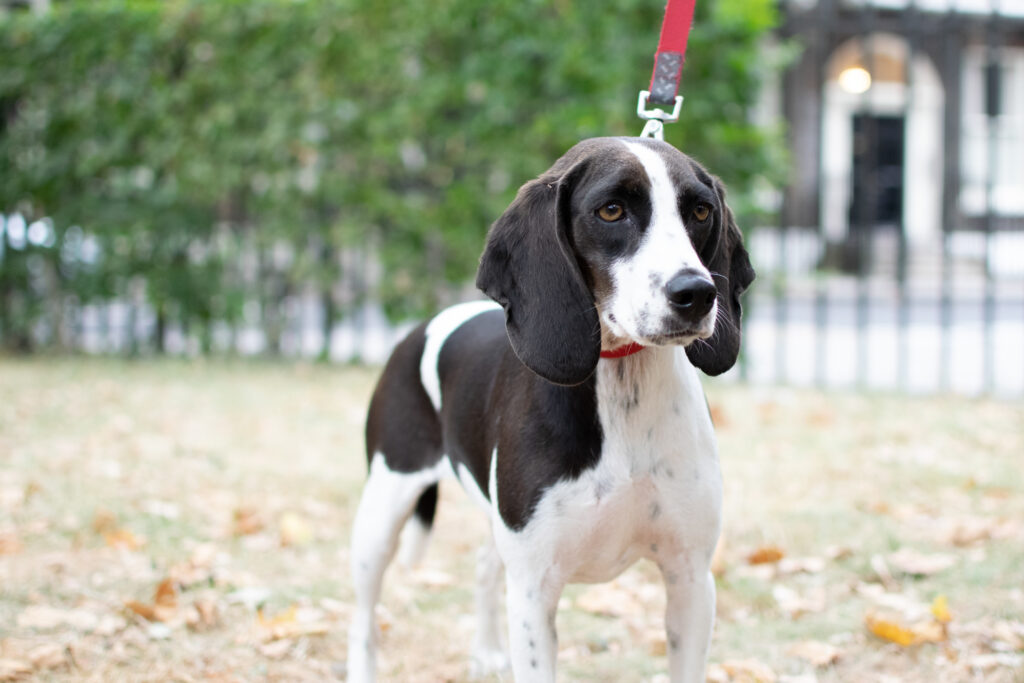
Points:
(986, 663)
(882, 571)
(748, 671)
(14, 670)
(768, 554)
(207, 613)
(657, 644)
(45, 618)
(276, 649)
(247, 520)
(48, 656)
(124, 539)
(10, 544)
(291, 624)
(164, 607)
(818, 653)
(286, 617)
(914, 563)
(104, 521)
(940, 609)
(294, 529)
(166, 595)
(889, 628)
(433, 578)
(796, 605)
(1009, 632)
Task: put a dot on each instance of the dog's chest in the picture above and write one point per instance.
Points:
(655, 492)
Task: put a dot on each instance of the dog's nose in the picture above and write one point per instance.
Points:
(691, 294)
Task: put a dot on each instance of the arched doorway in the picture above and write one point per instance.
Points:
(882, 144)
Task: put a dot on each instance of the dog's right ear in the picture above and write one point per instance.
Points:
(529, 266)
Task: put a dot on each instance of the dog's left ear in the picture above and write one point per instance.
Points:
(529, 266)
(730, 267)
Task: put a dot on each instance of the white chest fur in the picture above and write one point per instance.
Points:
(656, 491)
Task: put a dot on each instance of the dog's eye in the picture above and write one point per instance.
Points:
(701, 212)
(611, 212)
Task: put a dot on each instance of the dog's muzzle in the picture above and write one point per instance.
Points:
(691, 295)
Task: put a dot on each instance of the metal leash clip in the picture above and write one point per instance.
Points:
(656, 118)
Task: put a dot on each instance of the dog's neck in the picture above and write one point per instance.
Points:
(649, 403)
(652, 382)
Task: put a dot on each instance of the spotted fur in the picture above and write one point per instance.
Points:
(583, 464)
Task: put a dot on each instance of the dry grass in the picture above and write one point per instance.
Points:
(238, 482)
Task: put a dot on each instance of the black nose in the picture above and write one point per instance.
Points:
(692, 295)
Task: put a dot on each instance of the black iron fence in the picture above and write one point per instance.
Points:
(898, 261)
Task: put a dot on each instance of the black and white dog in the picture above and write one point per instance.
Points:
(576, 417)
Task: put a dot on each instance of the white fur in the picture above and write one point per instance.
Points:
(638, 309)
(655, 493)
(387, 502)
(437, 332)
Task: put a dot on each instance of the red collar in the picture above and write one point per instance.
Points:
(623, 351)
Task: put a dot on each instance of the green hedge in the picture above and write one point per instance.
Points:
(191, 140)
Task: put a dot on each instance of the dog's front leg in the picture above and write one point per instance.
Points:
(689, 618)
(532, 600)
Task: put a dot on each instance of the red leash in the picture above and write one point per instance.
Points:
(668, 68)
(664, 89)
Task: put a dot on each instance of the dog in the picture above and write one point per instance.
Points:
(571, 408)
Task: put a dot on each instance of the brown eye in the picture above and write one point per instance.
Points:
(611, 212)
(701, 212)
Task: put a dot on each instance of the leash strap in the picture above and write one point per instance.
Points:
(668, 60)
(668, 69)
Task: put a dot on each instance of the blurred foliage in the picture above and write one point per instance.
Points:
(204, 154)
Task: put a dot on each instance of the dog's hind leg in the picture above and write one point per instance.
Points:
(489, 654)
(387, 502)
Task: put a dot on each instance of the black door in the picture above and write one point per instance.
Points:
(877, 199)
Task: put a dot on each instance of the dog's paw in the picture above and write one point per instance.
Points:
(486, 662)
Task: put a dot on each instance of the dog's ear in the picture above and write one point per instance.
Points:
(529, 266)
(729, 263)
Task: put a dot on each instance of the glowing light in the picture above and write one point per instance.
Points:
(855, 80)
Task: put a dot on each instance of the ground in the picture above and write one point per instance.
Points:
(179, 520)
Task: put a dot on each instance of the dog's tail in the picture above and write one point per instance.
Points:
(416, 533)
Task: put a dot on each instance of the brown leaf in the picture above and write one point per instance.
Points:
(104, 521)
(768, 554)
(247, 520)
(818, 653)
(164, 607)
(166, 595)
(124, 539)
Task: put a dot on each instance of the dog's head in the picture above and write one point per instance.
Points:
(622, 240)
